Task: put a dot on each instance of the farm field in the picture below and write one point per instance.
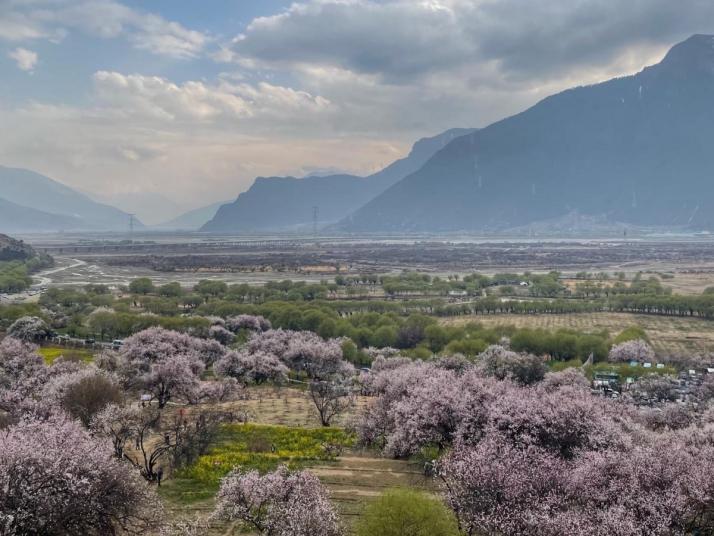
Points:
(668, 335)
(353, 478)
(51, 353)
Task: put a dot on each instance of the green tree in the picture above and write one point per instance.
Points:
(142, 285)
(404, 512)
(171, 290)
(206, 287)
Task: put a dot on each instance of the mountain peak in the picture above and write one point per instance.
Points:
(695, 54)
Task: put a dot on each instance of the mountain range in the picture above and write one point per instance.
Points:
(631, 151)
(273, 203)
(635, 150)
(32, 202)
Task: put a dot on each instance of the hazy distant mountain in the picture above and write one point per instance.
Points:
(637, 149)
(16, 218)
(283, 202)
(34, 191)
(193, 219)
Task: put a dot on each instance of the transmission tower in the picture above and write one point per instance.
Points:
(315, 214)
(131, 227)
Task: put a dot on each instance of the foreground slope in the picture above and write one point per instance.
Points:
(39, 193)
(283, 202)
(636, 150)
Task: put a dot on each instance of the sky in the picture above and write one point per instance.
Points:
(160, 106)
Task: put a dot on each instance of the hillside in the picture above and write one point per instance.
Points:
(634, 150)
(15, 218)
(284, 202)
(39, 193)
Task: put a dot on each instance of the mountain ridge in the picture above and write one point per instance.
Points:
(287, 202)
(618, 148)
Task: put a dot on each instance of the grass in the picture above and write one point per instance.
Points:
(51, 353)
(253, 446)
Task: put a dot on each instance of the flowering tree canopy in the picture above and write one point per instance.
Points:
(22, 374)
(166, 364)
(56, 479)
(635, 350)
(29, 328)
(221, 334)
(257, 367)
(501, 363)
(282, 503)
(249, 322)
(302, 351)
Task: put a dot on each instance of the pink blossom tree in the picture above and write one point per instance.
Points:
(573, 377)
(256, 367)
(165, 364)
(282, 503)
(153, 344)
(171, 377)
(247, 322)
(302, 351)
(496, 488)
(56, 479)
(22, 375)
(29, 328)
(221, 334)
(500, 363)
(635, 350)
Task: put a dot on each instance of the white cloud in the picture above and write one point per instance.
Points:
(25, 59)
(152, 99)
(107, 19)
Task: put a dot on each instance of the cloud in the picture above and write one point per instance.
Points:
(107, 19)
(401, 41)
(154, 99)
(25, 59)
(194, 141)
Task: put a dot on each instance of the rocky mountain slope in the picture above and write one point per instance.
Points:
(636, 150)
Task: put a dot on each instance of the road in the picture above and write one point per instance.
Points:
(41, 280)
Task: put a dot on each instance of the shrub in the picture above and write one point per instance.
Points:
(404, 512)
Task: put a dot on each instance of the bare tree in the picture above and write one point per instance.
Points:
(331, 398)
